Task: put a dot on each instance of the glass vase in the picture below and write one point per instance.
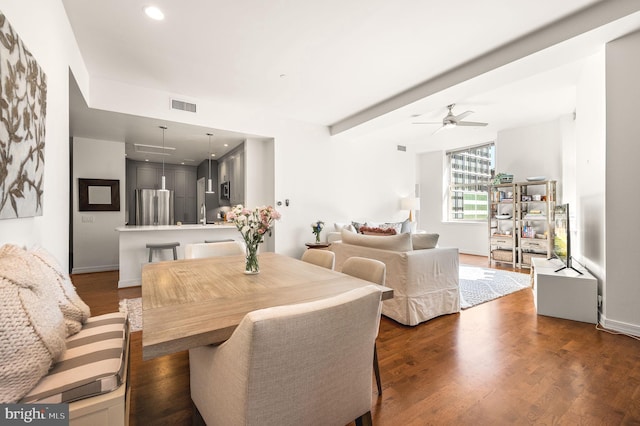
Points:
(251, 261)
(318, 238)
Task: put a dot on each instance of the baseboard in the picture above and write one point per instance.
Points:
(619, 326)
(129, 283)
(89, 269)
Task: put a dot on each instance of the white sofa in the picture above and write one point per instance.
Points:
(424, 280)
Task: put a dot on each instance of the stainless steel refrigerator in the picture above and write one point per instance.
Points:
(154, 207)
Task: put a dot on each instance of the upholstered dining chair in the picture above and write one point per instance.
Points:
(308, 363)
(374, 271)
(199, 250)
(324, 258)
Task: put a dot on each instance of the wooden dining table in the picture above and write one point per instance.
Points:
(195, 302)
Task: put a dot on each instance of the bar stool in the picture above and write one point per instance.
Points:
(162, 246)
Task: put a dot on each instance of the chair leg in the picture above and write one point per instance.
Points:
(365, 419)
(376, 369)
(150, 255)
(175, 254)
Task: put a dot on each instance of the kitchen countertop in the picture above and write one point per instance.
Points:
(191, 226)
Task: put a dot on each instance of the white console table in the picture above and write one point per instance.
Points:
(564, 294)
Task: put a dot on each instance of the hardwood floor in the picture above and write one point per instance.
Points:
(496, 363)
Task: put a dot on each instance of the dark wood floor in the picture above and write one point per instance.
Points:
(496, 363)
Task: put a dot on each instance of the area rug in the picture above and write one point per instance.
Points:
(479, 285)
(133, 309)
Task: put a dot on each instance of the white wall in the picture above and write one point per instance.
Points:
(534, 150)
(95, 241)
(43, 27)
(588, 210)
(622, 292)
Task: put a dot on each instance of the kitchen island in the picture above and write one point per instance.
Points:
(133, 241)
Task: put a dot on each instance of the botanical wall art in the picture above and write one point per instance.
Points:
(23, 104)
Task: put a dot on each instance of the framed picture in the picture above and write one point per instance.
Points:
(97, 195)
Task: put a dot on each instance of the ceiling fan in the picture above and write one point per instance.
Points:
(450, 120)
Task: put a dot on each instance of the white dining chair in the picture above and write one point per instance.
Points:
(324, 258)
(374, 271)
(200, 250)
(308, 363)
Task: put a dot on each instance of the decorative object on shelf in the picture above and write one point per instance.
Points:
(316, 228)
(502, 178)
(536, 178)
(253, 225)
(23, 101)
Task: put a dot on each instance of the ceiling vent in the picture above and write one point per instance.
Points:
(402, 148)
(183, 106)
(153, 149)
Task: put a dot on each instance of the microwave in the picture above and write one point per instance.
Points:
(225, 190)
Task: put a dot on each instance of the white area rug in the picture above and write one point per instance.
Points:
(133, 309)
(479, 285)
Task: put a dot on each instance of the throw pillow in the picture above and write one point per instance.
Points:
(401, 242)
(424, 241)
(357, 225)
(406, 227)
(33, 329)
(367, 230)
(339, 226)
(73, 308)
(396, 226)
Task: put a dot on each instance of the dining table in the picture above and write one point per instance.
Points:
(195, 302)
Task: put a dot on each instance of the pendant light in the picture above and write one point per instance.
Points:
(210, 181)
(164, 186)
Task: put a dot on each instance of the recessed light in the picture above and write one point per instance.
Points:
(154, 13)
(213, 155)
(146, 159)
(226, 144)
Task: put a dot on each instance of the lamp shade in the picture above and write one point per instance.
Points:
(409, 203)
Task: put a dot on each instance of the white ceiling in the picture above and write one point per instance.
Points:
(318, 61)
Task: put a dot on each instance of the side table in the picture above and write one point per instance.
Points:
(317, 245)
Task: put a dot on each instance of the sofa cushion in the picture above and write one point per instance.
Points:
(401, 242)
(424, 241)
(94, 363)
(32, 329)
(73, 308)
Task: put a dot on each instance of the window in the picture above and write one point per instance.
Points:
(469, 175)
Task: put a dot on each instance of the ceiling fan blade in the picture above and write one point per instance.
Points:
(471, 123)
(439, 128)
(427, 122)
(463, 115)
